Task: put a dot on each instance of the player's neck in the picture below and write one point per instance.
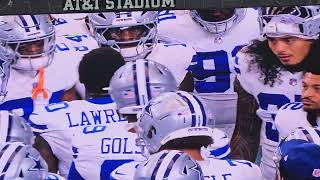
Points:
(194, 153)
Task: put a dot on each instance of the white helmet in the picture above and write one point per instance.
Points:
(169, 165)
(109, 29)
(21, 162)
(31, 37)
(299, 21)
(137, 82)
(218, 26)
(14, 128)
(170, 116)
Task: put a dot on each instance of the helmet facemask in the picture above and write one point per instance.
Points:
(33, 54)
(133, 34)
(132, 42)
(31, 38)
(218, 22)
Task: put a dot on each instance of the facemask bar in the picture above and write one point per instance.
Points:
(144, 44)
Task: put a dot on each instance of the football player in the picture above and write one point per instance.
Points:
(75, 33)
(58, 122)
(134, 35)
(93, 127)
(298, 154)
(39, 74)
(270, 76)
(307, 112)
(131, 89)
(216, 35)
(179, 121)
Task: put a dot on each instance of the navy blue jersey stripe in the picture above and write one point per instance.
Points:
(6, 167)
(156, 169)
(169, 168)
(305, 132)
(317, 131)
(3, 150)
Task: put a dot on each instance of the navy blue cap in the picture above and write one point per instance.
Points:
(300, 160)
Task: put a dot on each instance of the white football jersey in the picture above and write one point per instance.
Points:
(93, 130)
(176, 57)
(216, 169)
(270, 99)
(60, 75)
(291, 116)
(70, 24)
(213, 66)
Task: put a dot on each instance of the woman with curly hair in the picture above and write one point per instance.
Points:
(270, 75)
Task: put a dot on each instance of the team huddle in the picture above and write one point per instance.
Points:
(217, 94)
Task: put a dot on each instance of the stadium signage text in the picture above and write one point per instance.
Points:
(84, 5)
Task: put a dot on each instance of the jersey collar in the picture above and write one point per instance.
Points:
(100, 100)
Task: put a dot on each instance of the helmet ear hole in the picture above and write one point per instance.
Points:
(185, 170)
(152, 132)
(21, 174)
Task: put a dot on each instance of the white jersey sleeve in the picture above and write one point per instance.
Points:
(287, 88)
(176, 57)
(289, 117)
(215, 169)
(70, 24)
(49, 118)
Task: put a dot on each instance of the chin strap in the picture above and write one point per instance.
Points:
(39, 89)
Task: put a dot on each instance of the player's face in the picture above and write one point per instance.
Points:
(216, 15)
(126, 34)
(311, 91)
(29, 48)
(290, 50)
